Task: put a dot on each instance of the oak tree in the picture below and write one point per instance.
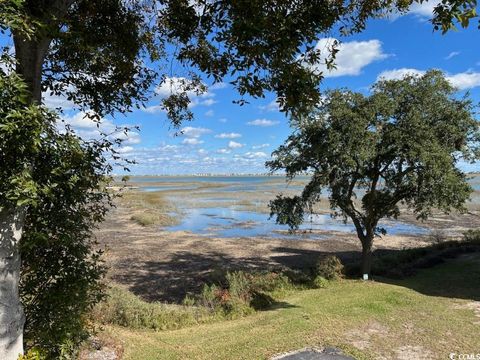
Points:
(376, 155)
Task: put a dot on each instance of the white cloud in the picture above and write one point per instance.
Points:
(234, 145)
(228, 136)
(208, 102)
(155, 109)
(192, 141)
(55, 101)
(255, 155)
(175, 85)
(125, 149)
(271, 106)
(466, 80)
(263, 122)
(452, 54)
(261, 146)
(425, 9)
(218, 86)
(81, 120)
(209, 113)
(351, 58)
(462, 81)
(88, 129)
(186, 159)
(130, 138)
(199, 95)
(396, 74)
(222, 120)
(194, 132)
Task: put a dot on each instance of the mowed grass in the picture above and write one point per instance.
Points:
(427, 316)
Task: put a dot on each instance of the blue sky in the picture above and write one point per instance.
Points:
(227, 138)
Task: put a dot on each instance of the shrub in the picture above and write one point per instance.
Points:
(33, 354)
(329, 267)
(126, 309)
(320, 282)
(242, 292)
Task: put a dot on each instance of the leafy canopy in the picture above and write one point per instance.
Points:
(400, 145)
(108, 56)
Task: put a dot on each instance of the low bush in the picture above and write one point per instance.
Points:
(329, 267)
(319, 282)
(241, 293)
(126, 309)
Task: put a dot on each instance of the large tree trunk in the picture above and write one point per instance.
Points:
(11, 310)
(367, 257)
(30, 55)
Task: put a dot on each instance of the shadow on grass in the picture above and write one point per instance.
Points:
(455, 278)
(186, 272)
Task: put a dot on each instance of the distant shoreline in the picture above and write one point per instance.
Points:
(204, 175)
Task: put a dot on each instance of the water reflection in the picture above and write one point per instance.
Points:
(230, 222)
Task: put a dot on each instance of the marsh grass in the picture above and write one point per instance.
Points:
(150, 208)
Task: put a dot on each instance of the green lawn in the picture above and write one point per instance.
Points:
(424, 317)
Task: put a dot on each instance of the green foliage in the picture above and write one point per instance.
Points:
(107, 56)
(125, 309)
(320, 282)
(400, 145)
(33, 354)
(60, 182)
(447, 13)
(241, 293)
(329, 267)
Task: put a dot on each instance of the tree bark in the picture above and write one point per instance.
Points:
(12, 317)
(367, 255)
(30, 55)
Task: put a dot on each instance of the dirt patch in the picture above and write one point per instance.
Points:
(362, 338)
(409, 352)
(101, 349)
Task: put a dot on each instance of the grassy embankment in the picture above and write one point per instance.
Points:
(425, 316)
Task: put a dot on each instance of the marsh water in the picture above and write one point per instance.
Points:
(230, 222)
(212, 206)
